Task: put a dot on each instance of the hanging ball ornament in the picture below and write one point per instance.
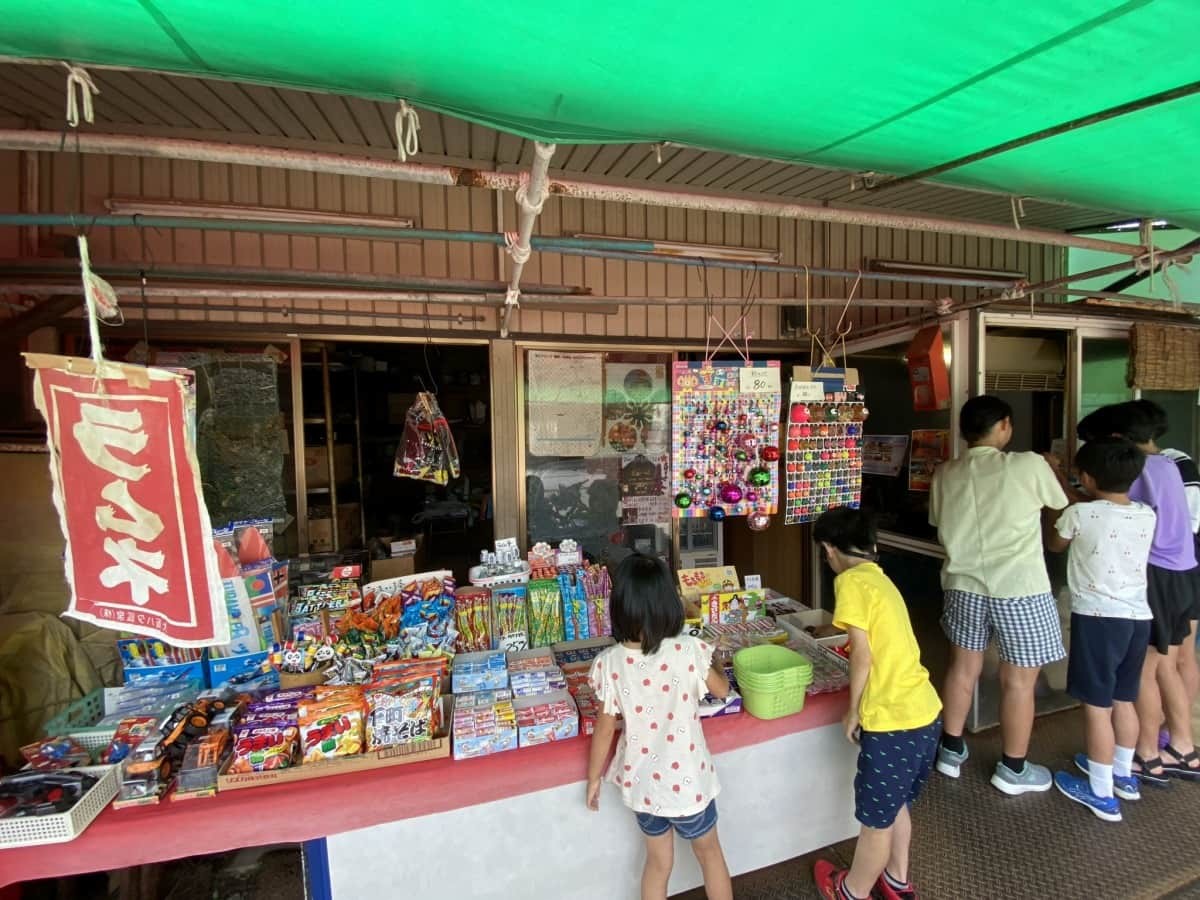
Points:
(731, 494)
(749, 442)
(758, 521)
(751, 496)
(759, 477)
(716, 513)
(770, 453)
(689, 474)
(722, 425)
(683, 501)
(706, 491)
(741, 455)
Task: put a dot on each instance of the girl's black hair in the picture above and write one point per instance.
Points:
(847, 529)
(645, 604)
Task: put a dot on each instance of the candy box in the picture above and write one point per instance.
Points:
(585, 651)
(484, 723)
(480, 672)
(528, 660)
(540, 720)
(534, 682)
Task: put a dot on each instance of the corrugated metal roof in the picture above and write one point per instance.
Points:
(162, 105)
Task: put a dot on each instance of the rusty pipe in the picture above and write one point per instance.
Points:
(341, 164)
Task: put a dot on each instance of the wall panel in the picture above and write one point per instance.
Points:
(68, 180)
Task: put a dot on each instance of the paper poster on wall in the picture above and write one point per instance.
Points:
(725, 438)
(883, 454)
(637, 407)
(930, 448)
(566, 403)
(644, 499)
(824, 445)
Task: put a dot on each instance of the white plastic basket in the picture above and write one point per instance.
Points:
(65, 826)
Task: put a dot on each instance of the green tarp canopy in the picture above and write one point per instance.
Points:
(858, 84)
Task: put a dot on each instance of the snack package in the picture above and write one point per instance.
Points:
(510, 622)
(577, 624)
(480, 672)
(484, 723)
(473, 619)
(426, 451)
(261, 748)
(331, 725)
(545, 610)
(56, 753)
(401, 714)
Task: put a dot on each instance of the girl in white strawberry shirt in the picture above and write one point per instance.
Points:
(654, 677)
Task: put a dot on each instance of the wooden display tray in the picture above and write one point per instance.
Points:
(438, 748)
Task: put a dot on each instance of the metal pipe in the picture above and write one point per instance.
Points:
(1095, 118)
(530, 196)
(631, 250)
(566, 302)
(242, 275)
(1192, 246)
(337, 164)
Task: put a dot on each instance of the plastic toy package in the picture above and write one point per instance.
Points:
(130, 732)
(56, 753)
(426, 451)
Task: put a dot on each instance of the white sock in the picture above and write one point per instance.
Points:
(1101, 778)
(1123, 761)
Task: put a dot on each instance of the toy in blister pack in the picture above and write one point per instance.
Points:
(130, 732)
(56, 753)
(426, 451)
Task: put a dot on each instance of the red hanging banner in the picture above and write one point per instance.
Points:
(126, 481)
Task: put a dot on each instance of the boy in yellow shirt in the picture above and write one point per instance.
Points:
(894, 712)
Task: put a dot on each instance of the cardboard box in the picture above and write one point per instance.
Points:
(316, 464)
(400, 755)
(396, 567)
(320, 527)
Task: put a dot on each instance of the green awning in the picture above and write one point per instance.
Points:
(859, 84)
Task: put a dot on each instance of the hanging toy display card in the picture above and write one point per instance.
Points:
(823, 462)
(725, 439)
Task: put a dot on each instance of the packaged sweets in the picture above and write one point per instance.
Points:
(480, 672)
(484, 723)
(541, 720)
(331, 724)
(400, 714)
(473, 619)
(262, 748)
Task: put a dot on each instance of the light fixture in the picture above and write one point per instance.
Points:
(185, 210)
(1134, 226)
(693, 251)
(903, 267)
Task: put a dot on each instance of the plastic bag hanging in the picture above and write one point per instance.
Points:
(426, 450)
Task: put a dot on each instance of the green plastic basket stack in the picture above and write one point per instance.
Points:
(773, 680)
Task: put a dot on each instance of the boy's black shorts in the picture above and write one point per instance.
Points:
(1106, 659)
(1172, 597)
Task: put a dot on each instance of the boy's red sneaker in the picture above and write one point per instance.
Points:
(829, 879)
(884, 890)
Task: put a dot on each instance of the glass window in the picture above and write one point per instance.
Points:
(895, 480)
(597, 450)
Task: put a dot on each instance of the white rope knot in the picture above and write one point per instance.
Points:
(532, 206)
(78, 77)
(512, 243)
(1142, 264)
(512, 299)
(408, 127)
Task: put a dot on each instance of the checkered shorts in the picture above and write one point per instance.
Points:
(1027, 629)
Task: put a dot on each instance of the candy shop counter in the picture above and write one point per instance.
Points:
(513, 824)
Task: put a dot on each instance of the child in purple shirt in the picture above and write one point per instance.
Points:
(1171, 584)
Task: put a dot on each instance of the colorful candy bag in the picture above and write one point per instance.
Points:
(473, 619)
(401, 713)
(262, 748)
(545, 610)
(331, 724)
(426, 451)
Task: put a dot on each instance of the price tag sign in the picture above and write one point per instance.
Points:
(574, 558)
(507, 544)
(514, 641)
(754, 582)
(808, 392)
(759, 381)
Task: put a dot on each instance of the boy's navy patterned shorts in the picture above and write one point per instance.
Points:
(893, 767)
